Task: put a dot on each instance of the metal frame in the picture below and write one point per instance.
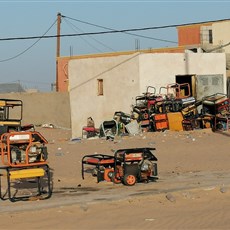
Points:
(145, 154)
(40, 193)
(124, 158)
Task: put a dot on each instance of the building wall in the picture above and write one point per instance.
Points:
(62, 83)
(221, 34)
(188, 35)
(161, 69)
(126, 77)
(120, 76)
(43, 108)
(62, 66)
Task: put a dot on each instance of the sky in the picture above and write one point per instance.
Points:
(32, 62)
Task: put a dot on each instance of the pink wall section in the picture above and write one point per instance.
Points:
(63, 74)
(189, 35)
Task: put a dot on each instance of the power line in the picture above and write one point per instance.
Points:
(8, 59)
(86, 34)
(217, 48)
(158, 27)
(76, 34)
(72, 25)
(132, 34)
(96, 33)
(107, 32)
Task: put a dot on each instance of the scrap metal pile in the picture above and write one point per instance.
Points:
(180, 111)
(174, 109)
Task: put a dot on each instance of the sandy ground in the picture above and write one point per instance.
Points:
(193, 190)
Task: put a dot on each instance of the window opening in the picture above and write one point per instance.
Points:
(100, 87)
(210, 36)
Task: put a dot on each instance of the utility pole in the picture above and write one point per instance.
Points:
(58, 47)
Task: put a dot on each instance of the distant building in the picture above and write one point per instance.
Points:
(11, 88)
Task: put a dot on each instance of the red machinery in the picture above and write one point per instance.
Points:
(177, 90)
(127, 166)
(216, 112)
(145, 107)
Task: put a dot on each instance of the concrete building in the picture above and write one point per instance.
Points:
(63, 62)
(100, 86)
(210, 37)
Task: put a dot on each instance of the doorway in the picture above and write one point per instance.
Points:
(189, 79)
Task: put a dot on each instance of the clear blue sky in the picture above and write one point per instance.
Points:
(36, 67)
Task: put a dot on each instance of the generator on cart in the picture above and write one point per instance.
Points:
(127, 166)
(216, 111)
(23, 156)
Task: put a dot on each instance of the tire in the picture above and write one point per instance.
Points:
(115, 180)
(129, 180)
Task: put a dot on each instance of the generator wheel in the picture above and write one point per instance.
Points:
(129, 179)
(115, 180)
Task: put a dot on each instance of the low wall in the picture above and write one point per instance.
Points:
(43, 108)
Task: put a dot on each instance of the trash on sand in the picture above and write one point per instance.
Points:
(133, 127)
(51, 126)
(76, 139)
(149, 219)
(59, 152)
(223, 189)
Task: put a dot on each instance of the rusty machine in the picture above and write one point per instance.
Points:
(23, 156)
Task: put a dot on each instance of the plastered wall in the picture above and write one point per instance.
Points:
(127, 76)
(160, 69)
(43, 108)
(120, 76)
(221, 34)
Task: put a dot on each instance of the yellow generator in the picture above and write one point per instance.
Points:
(175, 121)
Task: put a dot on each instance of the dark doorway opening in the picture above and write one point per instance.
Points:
(190, 79)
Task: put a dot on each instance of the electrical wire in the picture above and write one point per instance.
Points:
(95, 33)
(72, 25)
(217, 48)
(8, 59)
(108, 32)
(147, 28)
(77, 34)
(92, 46)
(107, 28)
